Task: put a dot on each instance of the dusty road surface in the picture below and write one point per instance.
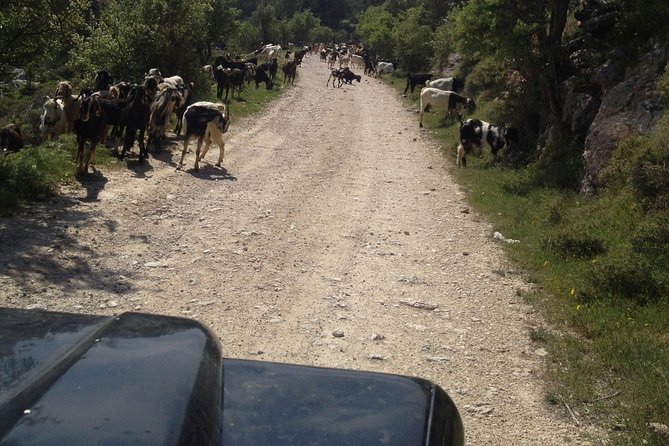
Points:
(334, 237)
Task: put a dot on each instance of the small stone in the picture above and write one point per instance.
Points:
(338, 333)
(377, 357)
(378, 337)
(541, 352)
(153, 264)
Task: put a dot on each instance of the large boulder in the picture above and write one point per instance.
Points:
(629, 107)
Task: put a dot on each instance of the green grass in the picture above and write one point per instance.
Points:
(36, 172)
(601, 270)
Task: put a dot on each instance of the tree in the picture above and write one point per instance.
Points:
(412, 40)
(135, 35)
(32, 29)
(375, 28)
(526, 34)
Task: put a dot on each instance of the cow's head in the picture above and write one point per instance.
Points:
(63, 90)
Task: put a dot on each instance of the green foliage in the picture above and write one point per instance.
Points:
(33, 29)
(32, 173)
(375, 28)
(136, 35)
(663, 85)
(412, 40)
(442, 46)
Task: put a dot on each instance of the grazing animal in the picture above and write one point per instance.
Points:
(209, 70)
(223, 81)
(186, 98)
(208, 121)
(103, 80)
(89, 128)
(384, 68)
(357, 61)
(447, 84)
(54, 120)
(237, 77)
(273, 65)
(162, 108)
(70, 103)
(330, 59)
(289, 71)
(448, 100)
(475, 131)
(113, 110)
(11, 138)
(261, 76)
(136, 115)
(414, 79)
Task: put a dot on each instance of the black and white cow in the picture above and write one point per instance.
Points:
(208, 121)
(446, 100)
(475, 131)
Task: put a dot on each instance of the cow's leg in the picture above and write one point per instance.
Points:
(183, 152)
(218, 139)
(207, 142)
(197, 153)
(79, 161)
(143, 153)
(90, 158)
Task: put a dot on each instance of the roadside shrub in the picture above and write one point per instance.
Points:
(627, 276)
(32, 173)
(574, 243)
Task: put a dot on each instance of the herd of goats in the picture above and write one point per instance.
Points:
(127, 111)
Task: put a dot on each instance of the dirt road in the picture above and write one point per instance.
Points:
(334, 237)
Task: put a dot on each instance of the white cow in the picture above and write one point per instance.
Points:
(440, 99)
(383, 68)
(446, 84)
(54, 119)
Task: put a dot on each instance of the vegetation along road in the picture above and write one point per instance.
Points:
(334, 236)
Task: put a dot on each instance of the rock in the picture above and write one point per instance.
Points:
(338, 333)
(541, 352)
(377, 357)
(153, 264)
(419, 305)
(378, 337)
(631, 107)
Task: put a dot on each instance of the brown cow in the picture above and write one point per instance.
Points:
(11, 138)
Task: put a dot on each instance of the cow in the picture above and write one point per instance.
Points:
(223, 81)
(289, 71)
(162, 108)
(448, 100)
(136, 115)
(261, 76)
(54, 119)
(357, 61)
(103, 80)
(414, 79)
(208, 121)
(475, 131)
(70, 103)
(447, 84)
(89, 128)
(186, 98)
(273, 67)
(383, 68)
(11, 138)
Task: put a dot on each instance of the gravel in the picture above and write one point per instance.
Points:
(334, 214)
